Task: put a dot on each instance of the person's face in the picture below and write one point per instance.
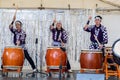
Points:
(58, 26)
(18, 26)
(97, 21)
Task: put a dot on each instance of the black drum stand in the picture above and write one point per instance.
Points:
(34, 74)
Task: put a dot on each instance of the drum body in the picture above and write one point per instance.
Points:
(13, 56)
(55, 57)
(91, 59)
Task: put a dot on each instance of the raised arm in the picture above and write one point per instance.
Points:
(52, 26)
(11, 25)
(87, 24)
(14, 17)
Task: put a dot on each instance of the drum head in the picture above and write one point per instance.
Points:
(91, 50)
(116, 48)
(53, 47)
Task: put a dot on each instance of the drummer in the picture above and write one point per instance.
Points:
(99, 36)
(98, 32)
(19, 39)
(59, 36)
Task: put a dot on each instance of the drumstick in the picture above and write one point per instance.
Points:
(15, 11)
(55, 18)
(60, 39)
(62, 43)
(55, 15)
(18, 43)
(97, 40)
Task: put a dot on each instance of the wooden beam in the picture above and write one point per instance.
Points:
(110, 3)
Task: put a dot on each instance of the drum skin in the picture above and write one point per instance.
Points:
(55, 57)
(90, 59)
(116, 51)
(13, 56)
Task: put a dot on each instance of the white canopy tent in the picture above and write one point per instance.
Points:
(89, 4)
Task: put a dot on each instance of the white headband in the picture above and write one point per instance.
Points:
(17, 22)
(98, 18)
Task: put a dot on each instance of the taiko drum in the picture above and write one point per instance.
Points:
(55, 57)
(13, 56)
(91, 59)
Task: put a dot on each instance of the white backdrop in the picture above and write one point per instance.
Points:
(36, 24)
(112, 22)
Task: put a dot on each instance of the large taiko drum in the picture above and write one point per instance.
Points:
(13, 57)
(91, 59)
(55, 57)
(116, 51)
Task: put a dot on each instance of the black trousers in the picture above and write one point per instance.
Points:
(103, 51)
(68, 63)
(27, 56)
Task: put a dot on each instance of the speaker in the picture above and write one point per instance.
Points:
(90, 76)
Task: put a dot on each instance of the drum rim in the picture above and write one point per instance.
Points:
(93, 50)
(13, 47)
(108, 47)
(53, 47)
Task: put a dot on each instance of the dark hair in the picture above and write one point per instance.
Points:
(19, 22)
(99, 17)
(61, 29)
(61, 26)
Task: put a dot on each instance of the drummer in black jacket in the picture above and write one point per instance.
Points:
(59, 36)
(19, 39)
(99, 36)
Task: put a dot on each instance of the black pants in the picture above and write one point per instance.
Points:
(27, 56)
(68, 63)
